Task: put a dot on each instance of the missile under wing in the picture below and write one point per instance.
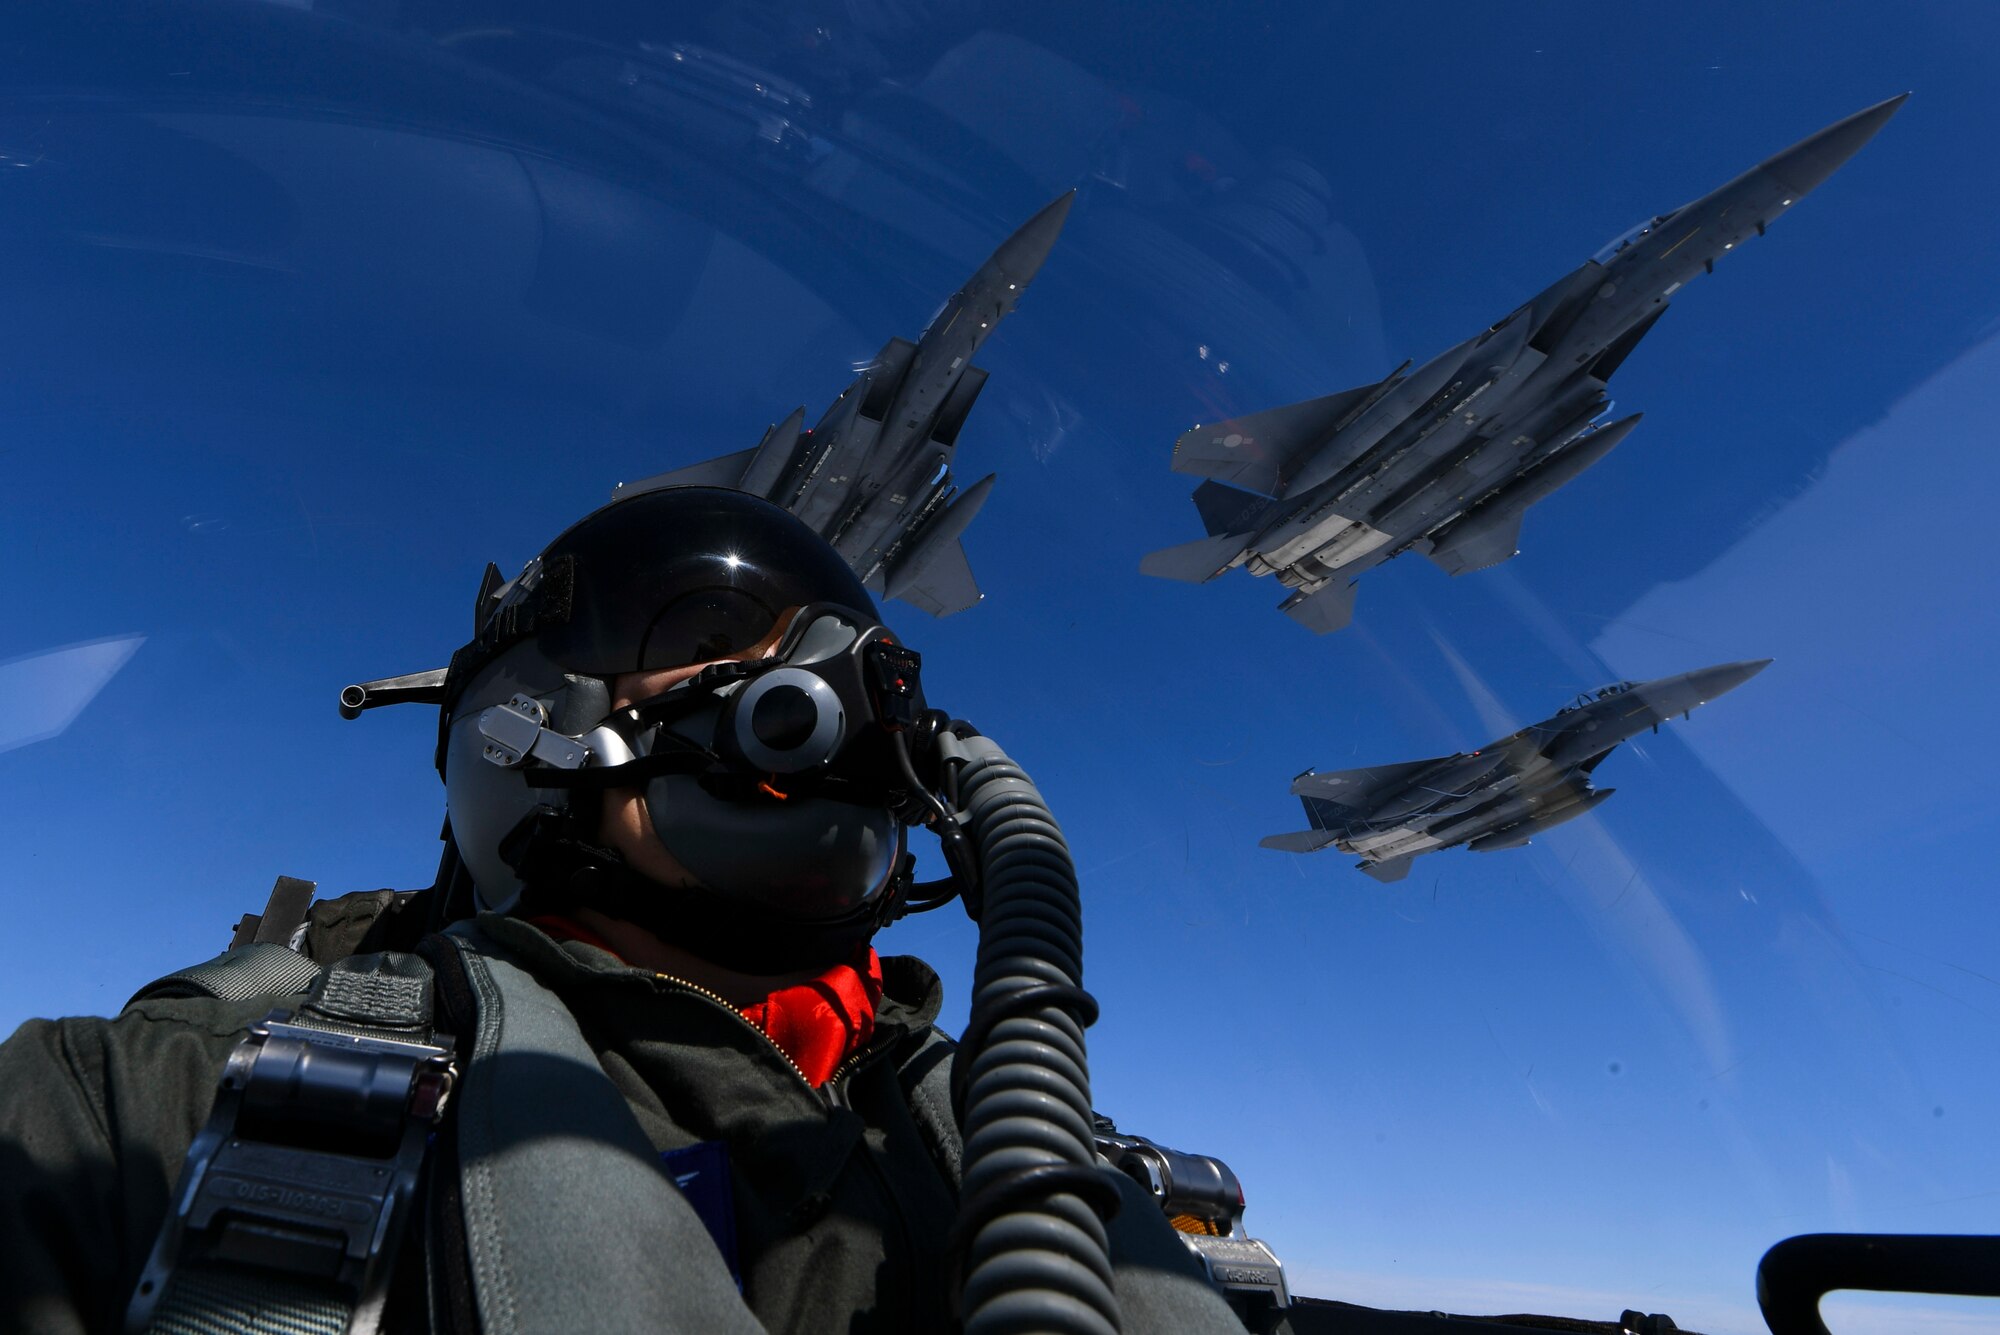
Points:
(1447, 459)
(1503, 794)
(873, 476)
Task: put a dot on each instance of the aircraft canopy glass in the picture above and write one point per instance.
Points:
(315, 309)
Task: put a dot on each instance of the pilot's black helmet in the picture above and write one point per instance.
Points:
(663, 579)
(683, 575)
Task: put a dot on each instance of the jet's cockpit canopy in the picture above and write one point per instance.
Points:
(1627, 237)
(1601, 693)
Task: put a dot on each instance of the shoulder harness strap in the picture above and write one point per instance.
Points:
(259, 962)
(561, 1232)
(294, 1194)
(259, 969)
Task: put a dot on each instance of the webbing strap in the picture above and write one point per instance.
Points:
(564, 1228)
(294, 1194)
(259, 969)
(218, 1300)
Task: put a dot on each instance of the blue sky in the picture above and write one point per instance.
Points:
(283, 380)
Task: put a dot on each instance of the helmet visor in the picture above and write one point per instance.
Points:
(688, 574)
(706, 625)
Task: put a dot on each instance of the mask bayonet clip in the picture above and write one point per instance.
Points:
(518, 730)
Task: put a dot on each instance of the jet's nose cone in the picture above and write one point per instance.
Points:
(1021, 254)
(1805, 164)
(1710, 682)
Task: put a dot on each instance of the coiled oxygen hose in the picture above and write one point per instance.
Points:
(1030, 1230)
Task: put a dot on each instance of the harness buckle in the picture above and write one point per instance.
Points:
(304, 1173)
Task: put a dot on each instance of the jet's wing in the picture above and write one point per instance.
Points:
(945, 584)
(1614, 356)
(1360, 789)
(1258, 451)
(1478, 547)
(1395, 869)
(724, 471)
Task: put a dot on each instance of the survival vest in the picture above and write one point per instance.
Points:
(290, 1204)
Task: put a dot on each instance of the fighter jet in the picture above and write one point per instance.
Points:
(1501, 795)
(1447, 459)
(874, 476)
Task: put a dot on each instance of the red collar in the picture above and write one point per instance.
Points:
(819, 1023)
(822, 1022)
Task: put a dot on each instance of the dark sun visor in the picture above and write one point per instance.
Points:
(686, 574)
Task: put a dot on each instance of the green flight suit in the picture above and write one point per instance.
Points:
(843, 1196)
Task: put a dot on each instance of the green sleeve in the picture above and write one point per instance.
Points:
(95, 1120)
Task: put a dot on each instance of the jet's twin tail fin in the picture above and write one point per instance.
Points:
(1389, 872)
(1470, 547)
(771, 461)
(1262, 450)
(944, 584)
(1324, 610)
(1227, 510)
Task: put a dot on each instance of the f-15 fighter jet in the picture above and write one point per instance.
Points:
(1501, 795)
(1447, 459)
(874, 476)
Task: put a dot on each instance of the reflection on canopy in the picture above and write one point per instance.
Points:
(48, 691)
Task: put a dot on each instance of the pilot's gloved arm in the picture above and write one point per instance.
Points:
(95, 1118)
(59, 1189)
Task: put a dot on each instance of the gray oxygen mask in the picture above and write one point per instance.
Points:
(775, 781)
